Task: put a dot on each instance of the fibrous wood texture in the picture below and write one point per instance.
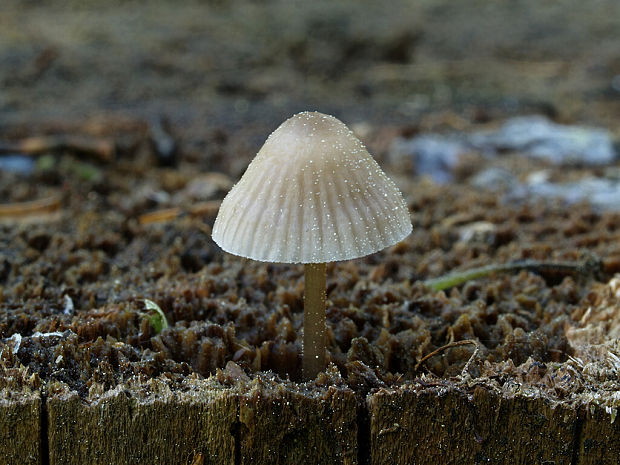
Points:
(599, 438)
(269, 421)
(143, 425)
(249, 422)
(283, 425)
(20, 418)
(443, 425)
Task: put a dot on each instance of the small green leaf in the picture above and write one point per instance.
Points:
(158, 319)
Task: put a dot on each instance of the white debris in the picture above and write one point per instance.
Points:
(69, 307)
(17, 342)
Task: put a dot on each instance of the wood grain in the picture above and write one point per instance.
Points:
(282, 425)
(143, 425)
(20, 418)
(444, 425)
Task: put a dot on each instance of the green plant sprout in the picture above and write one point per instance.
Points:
(157, 319)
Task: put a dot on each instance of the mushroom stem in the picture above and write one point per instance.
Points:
(313, 361)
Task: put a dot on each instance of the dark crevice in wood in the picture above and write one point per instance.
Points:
(577, 437)
(235, 430)
(44, 428)
(363, 434)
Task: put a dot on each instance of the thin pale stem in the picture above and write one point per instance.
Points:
(314, 361)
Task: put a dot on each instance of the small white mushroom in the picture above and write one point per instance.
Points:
(312, 195)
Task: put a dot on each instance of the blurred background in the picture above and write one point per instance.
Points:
(230, 63)
(122, 104)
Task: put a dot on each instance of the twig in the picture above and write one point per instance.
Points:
(448, 346)
(31, 207)
(589, 267)
(465, 369)
(159, 216)
(207, 208)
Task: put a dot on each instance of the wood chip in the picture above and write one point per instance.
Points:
(31, 207)
(160, 216)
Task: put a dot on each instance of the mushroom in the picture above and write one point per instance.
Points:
(313, 194)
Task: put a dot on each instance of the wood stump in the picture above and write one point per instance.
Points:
(265, 420)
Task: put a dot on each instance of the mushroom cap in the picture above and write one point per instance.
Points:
(312, 194)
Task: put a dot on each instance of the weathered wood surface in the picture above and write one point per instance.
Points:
(266, 421)
(599, 438)
(20, 419)
(283, 425)
(420, 426)
(256, 422)
(149, 424)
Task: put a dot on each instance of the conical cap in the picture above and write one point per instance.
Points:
(312, 194)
